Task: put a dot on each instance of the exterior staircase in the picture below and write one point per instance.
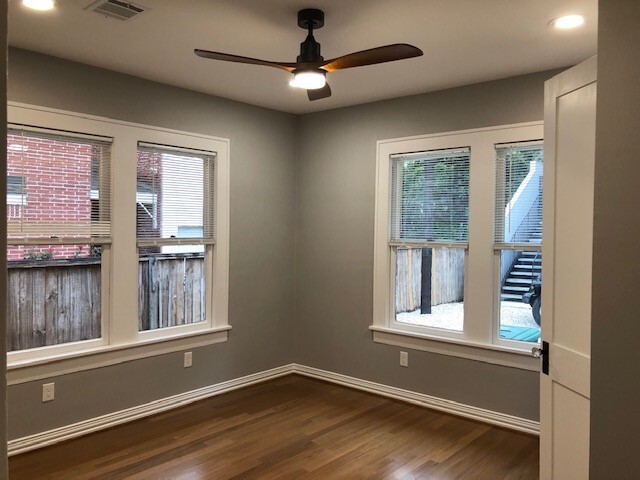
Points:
(526, 266)
(525, 269)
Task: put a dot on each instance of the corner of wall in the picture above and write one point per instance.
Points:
(295, 326)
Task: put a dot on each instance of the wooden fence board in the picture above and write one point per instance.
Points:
(143, 299)
(50, 306)
(61, 319)
(38, 316)
(52, 302)
(447, 277)
(448, 268)
(199, 307)
(176, 273)
(59, 301)
(174, 290)
(95, 282)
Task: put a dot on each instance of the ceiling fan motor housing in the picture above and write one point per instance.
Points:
(310, 51)
(310, 19)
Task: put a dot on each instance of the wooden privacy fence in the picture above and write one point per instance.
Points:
(59, 301)
(447, 277)
(52, 302)
(172, 290)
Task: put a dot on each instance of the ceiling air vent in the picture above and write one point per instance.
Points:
(115, 9)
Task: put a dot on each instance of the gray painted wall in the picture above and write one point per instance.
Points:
(334, 227)
(615, 355)
(263, 159)
(3, 236)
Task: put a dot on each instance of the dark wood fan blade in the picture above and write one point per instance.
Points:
(289, 67)
(319, 93)
(388, 53)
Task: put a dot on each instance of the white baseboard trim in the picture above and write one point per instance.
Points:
(67, 432)
(428, 401)
(50, 437)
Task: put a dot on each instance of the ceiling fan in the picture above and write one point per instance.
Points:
(310, 69)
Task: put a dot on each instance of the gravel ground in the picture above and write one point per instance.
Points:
(450, 316)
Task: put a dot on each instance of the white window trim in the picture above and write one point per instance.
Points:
(480, 317)
(120, 336)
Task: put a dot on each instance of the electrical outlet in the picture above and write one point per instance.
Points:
(188, 359)
(48, 392)
(404, 359)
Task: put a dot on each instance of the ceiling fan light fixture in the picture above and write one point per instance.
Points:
(568, 22)
(311, 79)
(41, 5)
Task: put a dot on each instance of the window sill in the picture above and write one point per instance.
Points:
(496, 354)
(102, 356)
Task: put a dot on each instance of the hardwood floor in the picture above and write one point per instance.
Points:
(290, 428)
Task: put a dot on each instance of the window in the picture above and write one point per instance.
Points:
(190, 231)
(172, 268)
(429, 219)
(16, 191)
(154, 238)
(437, 243)
(518, 240)
(56, 239)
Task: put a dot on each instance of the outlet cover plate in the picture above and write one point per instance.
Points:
(188, 359)
(404, 359)
(48, 392)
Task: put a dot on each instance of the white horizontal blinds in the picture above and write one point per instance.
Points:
(175, 196)
(429, 197)
(519, 178)
(58, 187)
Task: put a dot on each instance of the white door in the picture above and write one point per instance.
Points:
(569, 156)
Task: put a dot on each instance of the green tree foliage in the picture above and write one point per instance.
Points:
(435, 198)
(435, 193)
(517, 165)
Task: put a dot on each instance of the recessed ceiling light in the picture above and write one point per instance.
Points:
(568, 22)
(41, 5)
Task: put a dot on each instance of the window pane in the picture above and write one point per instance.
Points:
(174, 196)
(171, 286)
(54, 294)
(430, 196)
(519, 176)
(57, 186)
(430, 287)
(520, 299)
(174, 201)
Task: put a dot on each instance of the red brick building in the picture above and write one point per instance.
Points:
(49, 182)
(55, 181)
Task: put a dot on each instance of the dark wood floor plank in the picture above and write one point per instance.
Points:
(291, 428)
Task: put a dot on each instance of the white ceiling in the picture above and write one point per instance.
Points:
(464, 41)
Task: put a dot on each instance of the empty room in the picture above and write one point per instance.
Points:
(250, 239)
